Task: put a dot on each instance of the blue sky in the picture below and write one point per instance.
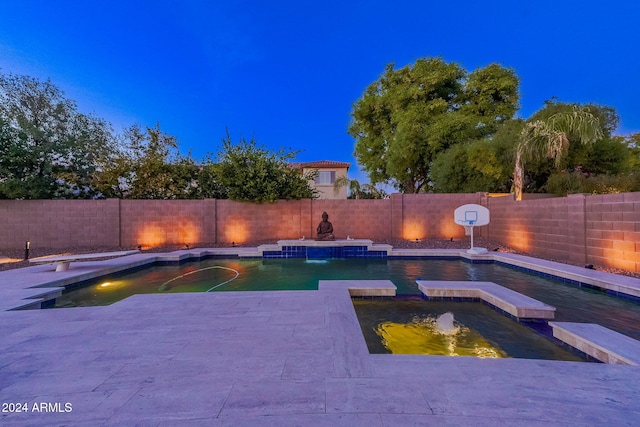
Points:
(288, 72)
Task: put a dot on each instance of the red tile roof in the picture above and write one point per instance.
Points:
(320, 164)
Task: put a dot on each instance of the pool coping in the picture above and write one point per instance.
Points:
(598, 342)
(513, 303)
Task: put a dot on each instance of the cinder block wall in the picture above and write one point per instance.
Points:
(158, 222)
(603, 230)
(359, 219)
(243, 221)
(551, 227)
(412, 216)
(59, 223)
(600, 229)
(613, 230)
(430, 216)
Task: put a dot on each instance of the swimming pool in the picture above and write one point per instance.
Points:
(573, 304)
(410, 326)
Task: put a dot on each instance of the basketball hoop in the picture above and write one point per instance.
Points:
(468, 216)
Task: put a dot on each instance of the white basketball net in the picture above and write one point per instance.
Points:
(468, 229)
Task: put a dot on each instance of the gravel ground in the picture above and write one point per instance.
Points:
(10, 259)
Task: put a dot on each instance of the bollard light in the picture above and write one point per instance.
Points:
(26, 249)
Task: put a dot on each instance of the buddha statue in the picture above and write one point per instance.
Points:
(325, 228)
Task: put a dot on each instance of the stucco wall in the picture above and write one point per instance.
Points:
(328, 191)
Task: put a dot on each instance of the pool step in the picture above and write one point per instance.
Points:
(512, 302)
(361, 288)
(599, 342)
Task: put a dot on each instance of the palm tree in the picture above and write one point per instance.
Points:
(550, 138)
(357, 190)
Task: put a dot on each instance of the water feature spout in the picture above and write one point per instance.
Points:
(444, 323)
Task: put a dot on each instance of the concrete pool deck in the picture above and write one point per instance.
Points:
(269, 358)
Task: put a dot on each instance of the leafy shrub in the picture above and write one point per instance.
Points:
(606, 184)
(579, 181)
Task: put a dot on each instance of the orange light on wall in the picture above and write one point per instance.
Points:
(188, 232)
(413, 230)
(615, 258)
(518, 237)
(235, 231)
(448, 228)
(151, 235)
(172, 232)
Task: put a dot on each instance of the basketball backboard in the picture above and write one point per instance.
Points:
(475, 215)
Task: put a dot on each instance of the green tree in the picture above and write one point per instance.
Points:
(49, 149)
(468, 168)
(249, 172)
(608, 155)
(410, 115)
(604, 155)
(149, 166)
(632, 142)
(609, 165)
(209, 185)
(551, 138)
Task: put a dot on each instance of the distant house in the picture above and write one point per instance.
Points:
(328, 172)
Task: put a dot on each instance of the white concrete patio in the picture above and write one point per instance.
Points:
(285, 358)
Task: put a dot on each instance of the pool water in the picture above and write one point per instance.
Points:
(411, 327)
(573, 304)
